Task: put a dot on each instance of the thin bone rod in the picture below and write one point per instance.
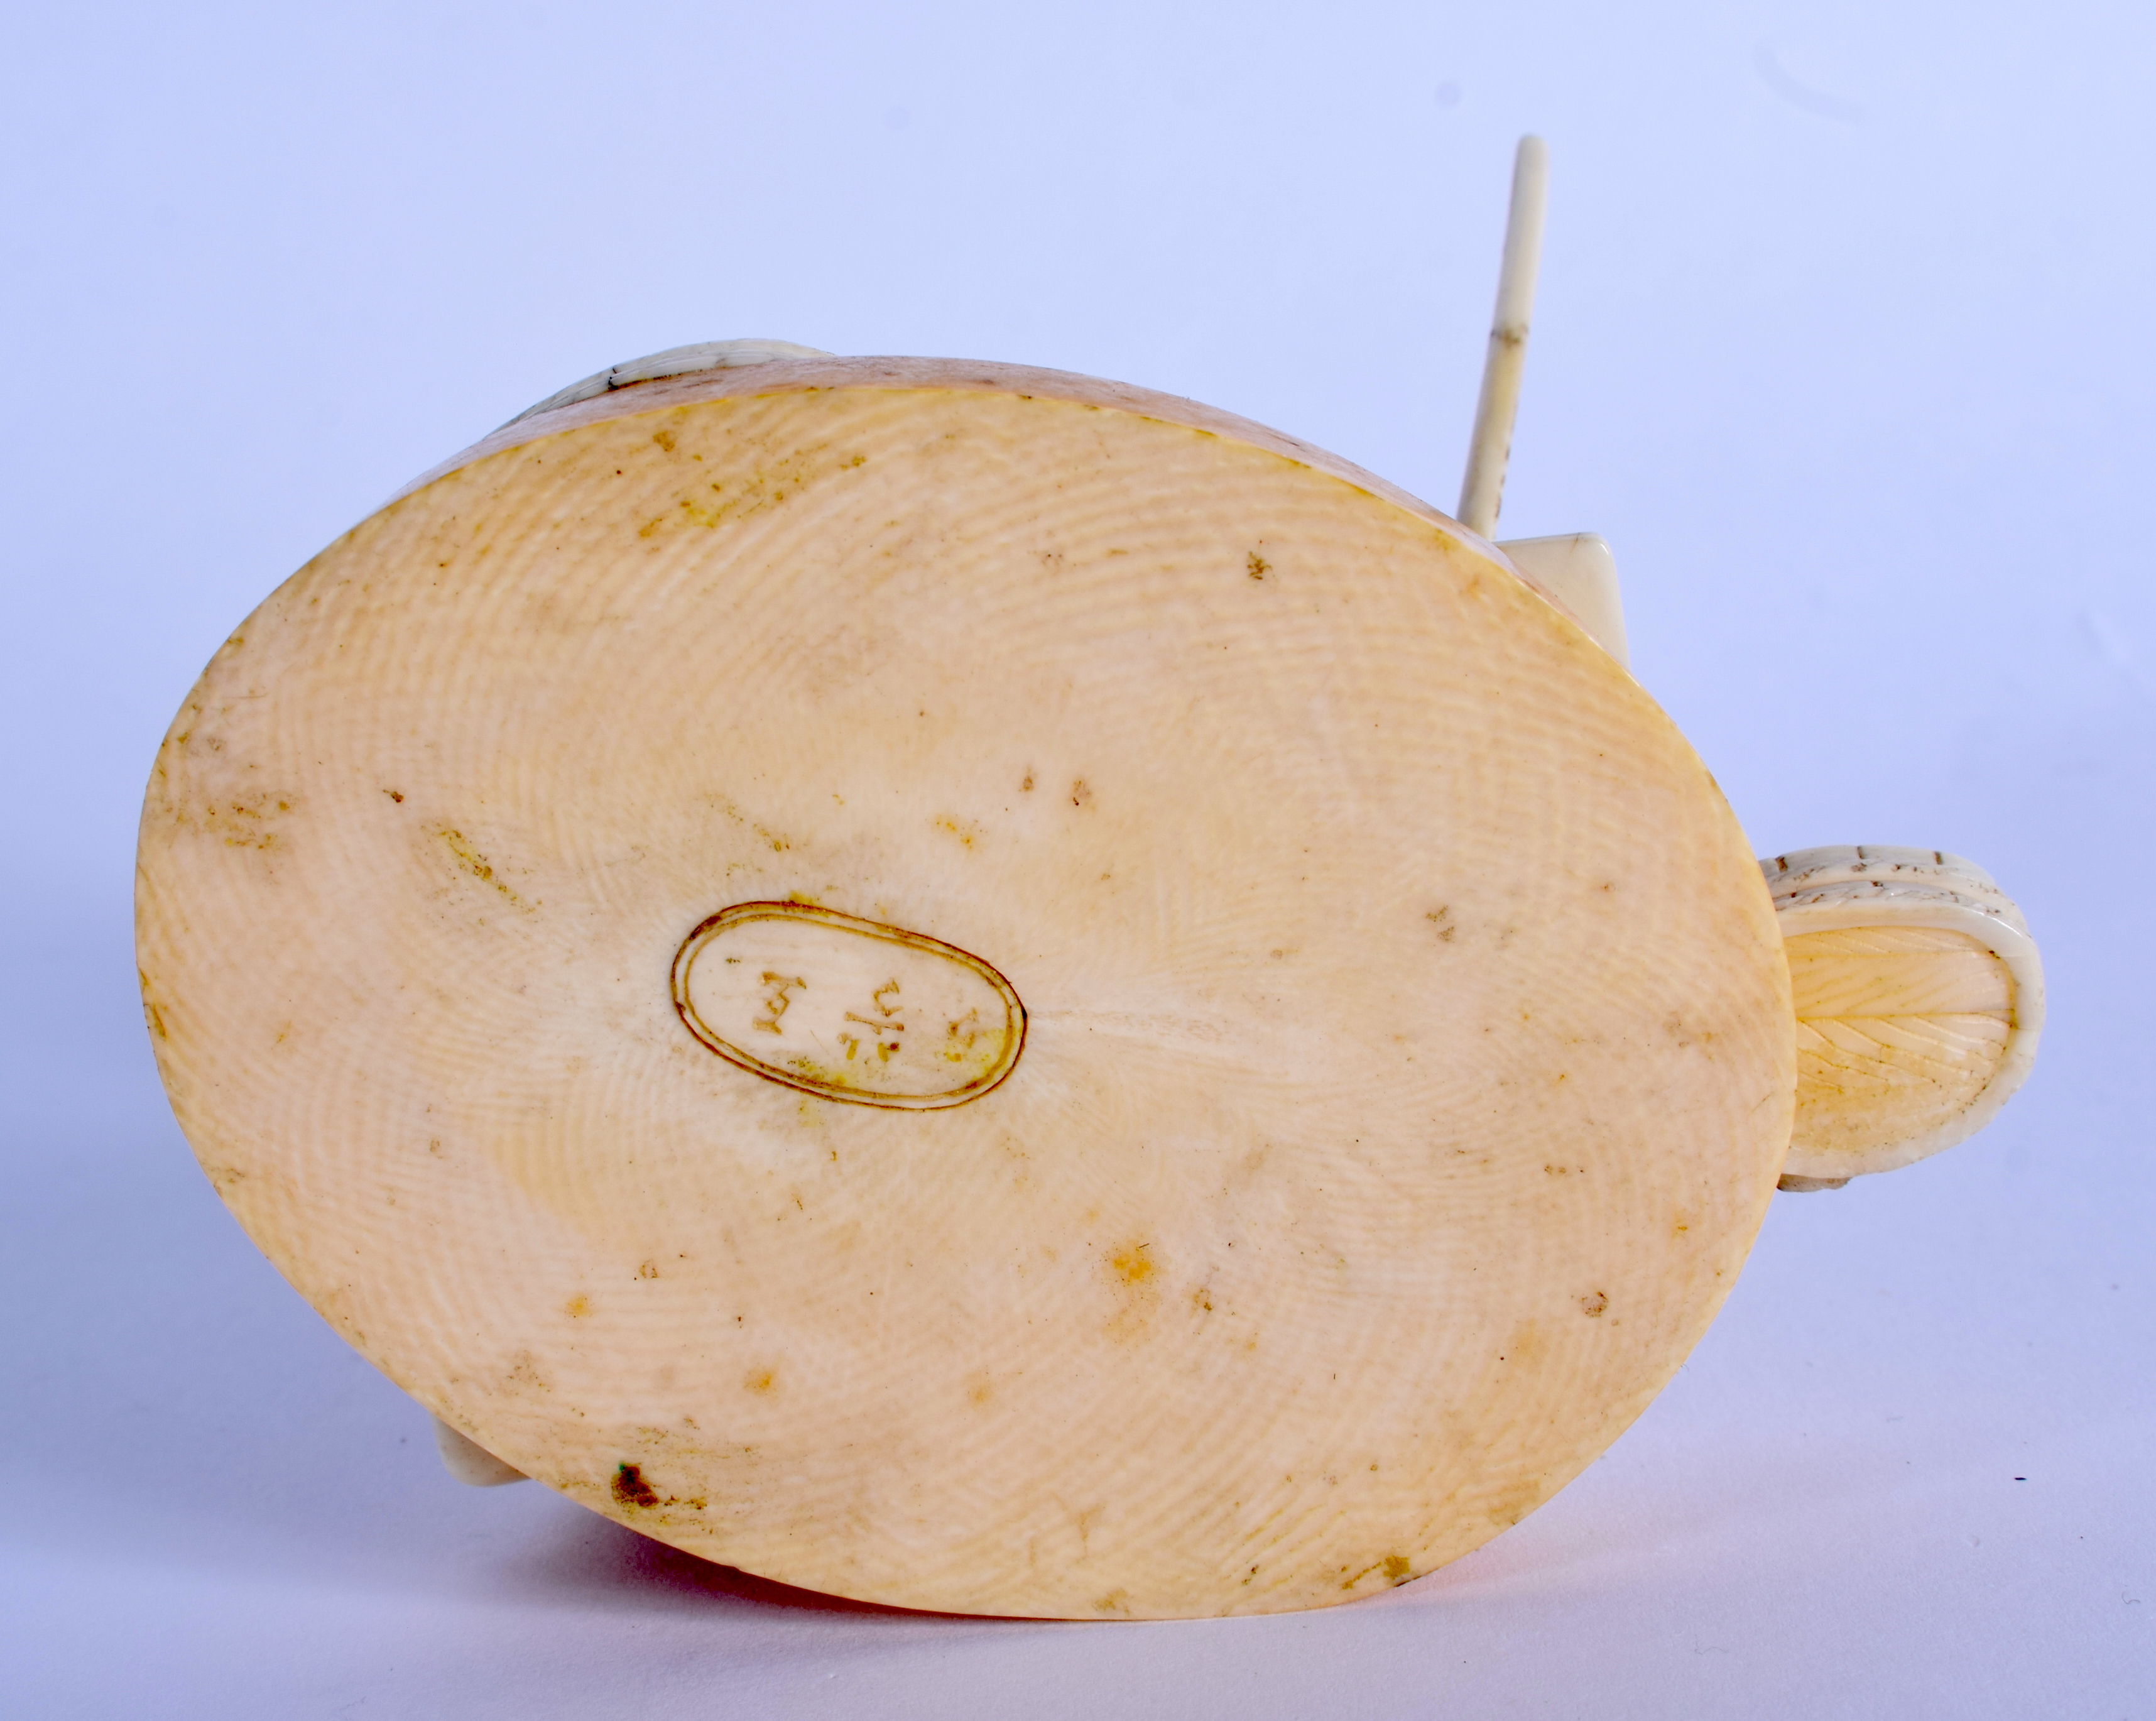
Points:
(1484, 486)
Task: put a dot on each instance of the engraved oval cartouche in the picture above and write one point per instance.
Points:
(846, 1008)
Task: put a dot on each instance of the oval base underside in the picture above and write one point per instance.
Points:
(1407, 1059)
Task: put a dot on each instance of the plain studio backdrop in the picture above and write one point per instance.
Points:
(1844, 341)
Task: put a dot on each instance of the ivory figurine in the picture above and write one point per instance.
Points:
(994, 992)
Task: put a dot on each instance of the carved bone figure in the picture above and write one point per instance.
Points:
(994, 992)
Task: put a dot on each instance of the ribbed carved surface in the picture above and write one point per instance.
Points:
(1898, 1029)
(1919, 998)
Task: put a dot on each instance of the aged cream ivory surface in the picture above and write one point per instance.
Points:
(1919, 999)
(1407, 1054)
(1577, 569)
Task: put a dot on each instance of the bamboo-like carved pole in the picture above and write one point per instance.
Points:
(1484, 486)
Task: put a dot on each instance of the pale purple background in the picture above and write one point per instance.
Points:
(1844, 341)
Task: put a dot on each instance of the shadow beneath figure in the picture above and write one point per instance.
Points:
(592, 1561)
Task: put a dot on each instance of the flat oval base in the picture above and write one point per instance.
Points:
(1407, 1058)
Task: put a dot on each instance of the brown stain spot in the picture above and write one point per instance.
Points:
(1441, 919)
(1594, 1304)
(631, 1489)
(1397, 1568)
(982, 1390)
(779, 842)
(760, 1380)
(1133, 1273)
(1080, 794)
(1526, 1346)
(244, 824)
(960, 829)
(1686, 1035)
(1515, 1503)
(577, 1306)
(156, 1019)
(393, 795)
(524, 1373)
(1116, 1601)
(649, 1269)
(474, 862)
(1026, 787)
(765, 488)
(665, 438)
(1256, 566)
